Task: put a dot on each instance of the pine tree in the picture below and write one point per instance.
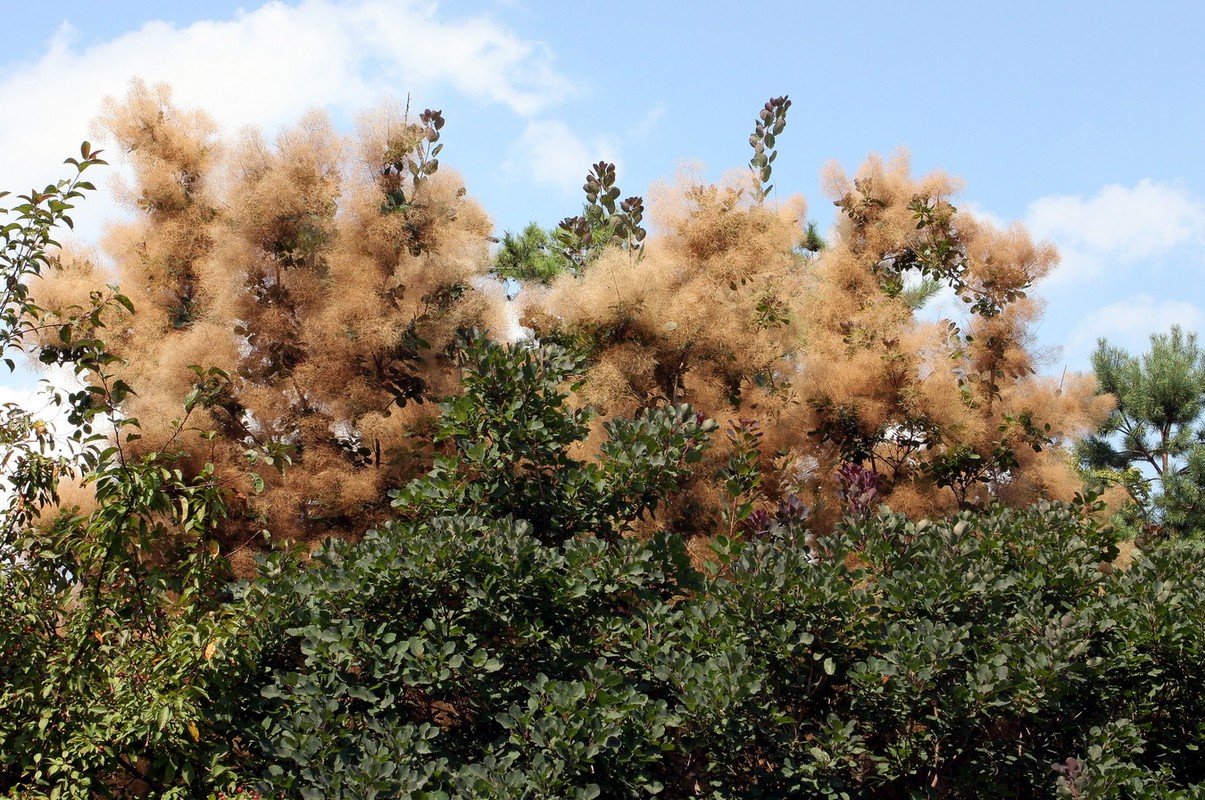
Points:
(1158, 426)
(529, 257)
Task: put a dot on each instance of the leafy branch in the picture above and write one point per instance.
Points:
(606, 220)
(771, 121)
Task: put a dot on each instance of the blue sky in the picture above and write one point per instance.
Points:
(1084, 120)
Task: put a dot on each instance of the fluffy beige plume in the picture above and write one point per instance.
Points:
(727, 312)
(289, 266)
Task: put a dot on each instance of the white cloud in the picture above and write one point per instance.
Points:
(265, 67)
(1118, 227)
(550, 153)
(648, 123)
(34, 400)
(1130, 323)
(22, 396)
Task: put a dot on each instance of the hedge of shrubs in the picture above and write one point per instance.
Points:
(981, 656)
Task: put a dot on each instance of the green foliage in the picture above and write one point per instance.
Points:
(112, 620)
(812, 241)
(466, 651)
(108, 645)
(29, 458)
(505, 636)
(605, 221)
(27, 238)
(1159, 425)
(920, 293)
(1182, 504)
(741, 474)
(411, 156)
(462, 657)
(771, 121)
(512, 433)
(529, 257)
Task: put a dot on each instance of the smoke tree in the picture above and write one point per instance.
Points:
(325, 277)
(502, 635)
(736, 308)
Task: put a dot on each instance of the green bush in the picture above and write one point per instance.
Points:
(460, 657)
(463, 654)
(512, 432)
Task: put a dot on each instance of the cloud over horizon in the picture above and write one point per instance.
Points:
(1117, 227)
(1129, 323)
(266, 66)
